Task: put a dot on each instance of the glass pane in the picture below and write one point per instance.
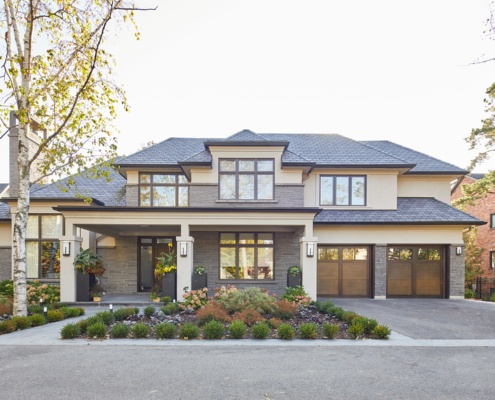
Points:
(246, 238)
(406, 254)
(145, 196)
(423, 254)
(393, 254)
(326, 191)
(265, 187)
(358, 190)
(342, 191)
(32, 260)
(227, 263)
(328, 254)
(146, 240)
(227, 187)
(146, 270)
(246, 263)
(183, 196)
(348, 254)
(182, 179)
(361, 254)
(164, 241)
(434, 255)
(159, 178)
(144, 178)
(227, 238)
(265, 238)
(164, 196)
(51, 226)
(265, 165)
(227, 165)
(265, 263)
(32, 227)
(246, 187)
(246, 165)
(50, 259)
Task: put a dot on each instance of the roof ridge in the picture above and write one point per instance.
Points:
(384, 152)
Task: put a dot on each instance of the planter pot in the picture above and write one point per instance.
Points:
(96, 299)
(199, 281)
(82, 287)
(157, 300)
(169, 285)
(293, 281)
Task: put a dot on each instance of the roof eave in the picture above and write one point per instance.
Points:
(53, 199)
(388, 166)
(298, 210)
(458, 223)
(455, 173)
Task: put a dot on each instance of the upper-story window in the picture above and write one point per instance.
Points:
(492, 220)
(246, 179)
(339, 190)
(163, 190)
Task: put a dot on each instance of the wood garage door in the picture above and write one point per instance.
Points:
(415, 271)
(343, 271)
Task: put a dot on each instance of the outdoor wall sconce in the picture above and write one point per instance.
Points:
(183, 249)
(458, 251)
(65, 248)
(310, 250)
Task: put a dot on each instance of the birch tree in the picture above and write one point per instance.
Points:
(56, 78)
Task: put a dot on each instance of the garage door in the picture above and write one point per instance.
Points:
(415, 271)
(343, 271)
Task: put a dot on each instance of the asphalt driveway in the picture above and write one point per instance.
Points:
(429, 318)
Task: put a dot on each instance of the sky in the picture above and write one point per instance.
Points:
(395, 70)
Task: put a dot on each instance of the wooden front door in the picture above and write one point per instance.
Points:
(149, 249)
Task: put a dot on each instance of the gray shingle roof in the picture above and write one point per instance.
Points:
(410, 210)
(245, 136)
(202, 157)
(111, 193)
(3, 186)
(4, 211)
(424, 163)
(477, 176)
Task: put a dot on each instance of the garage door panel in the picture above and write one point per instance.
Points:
(428, 271)
(354, 270)
(355, 287)
(430, 287)
(328, 284)
(399, 287)
(399, 271)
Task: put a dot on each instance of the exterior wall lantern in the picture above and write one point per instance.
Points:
(183, 249)
(458, 251)
(310, 250)
(65, 248)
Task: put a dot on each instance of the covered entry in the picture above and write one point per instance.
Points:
(415, 271)
(343, 271)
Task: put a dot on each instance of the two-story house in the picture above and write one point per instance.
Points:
(362, 219)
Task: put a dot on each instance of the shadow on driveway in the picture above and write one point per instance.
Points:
(429, 318)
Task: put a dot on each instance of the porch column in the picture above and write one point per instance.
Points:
(67, 271)
(308, 264)
(184, 264)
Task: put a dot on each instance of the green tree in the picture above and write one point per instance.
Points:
(473, 267)
(56, 80)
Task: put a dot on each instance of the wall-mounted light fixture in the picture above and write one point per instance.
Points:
(310, 250)
(65, 248)
(183, 249)
(458, 251)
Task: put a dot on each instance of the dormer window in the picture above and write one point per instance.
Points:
(246, 179)
(163, 190)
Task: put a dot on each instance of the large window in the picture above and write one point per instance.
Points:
(163, 190)
(246, 256)
(245, 179)
(338, 190)
(43, 246)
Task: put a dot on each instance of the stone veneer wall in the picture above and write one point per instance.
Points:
(5, 263)
(207, 253)
(121, 266)
(131, 195)
(380, 271)
(457, 265)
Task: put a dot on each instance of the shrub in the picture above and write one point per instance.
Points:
(83, 325)
(149, 311)
(37, 320)
(468, 294)
(274, 323)
(308, 330)
(237, 329)
(195, 299)
(212, 311)
(5, 304)
(65, 311)
(22, 322)
(213, 330)
(119, 331)
(168, 309)
(296, 295)
(338, 312)
(135, 310)
(189, 331)
(81, 310)
(54, 315)
(93, 320)
(34, 309)
(7, 326)
(57, 305)
(249, 317)
(106, 317)
(348, 316)
(74, 312)
(140, 330)
(251, 298)
(286, 309)
(356, 329)
(286, 332)
(35, 291)
(325, 307)
(381, 332)
(166, 299)
(70, 331)
(367, 323)
(260, 330)
(330, 330)
(7, 288)
(166, 330)
(97, 330)
(120, 314)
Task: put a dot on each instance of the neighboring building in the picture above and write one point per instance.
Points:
(362, 219)
(483, 209)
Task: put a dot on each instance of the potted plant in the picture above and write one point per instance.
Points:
(97, 293)
(294, 276)
(89, 267)
(155, 298)
(199, 278)
(165, 269)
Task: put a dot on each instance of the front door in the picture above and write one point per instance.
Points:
(149, 249)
